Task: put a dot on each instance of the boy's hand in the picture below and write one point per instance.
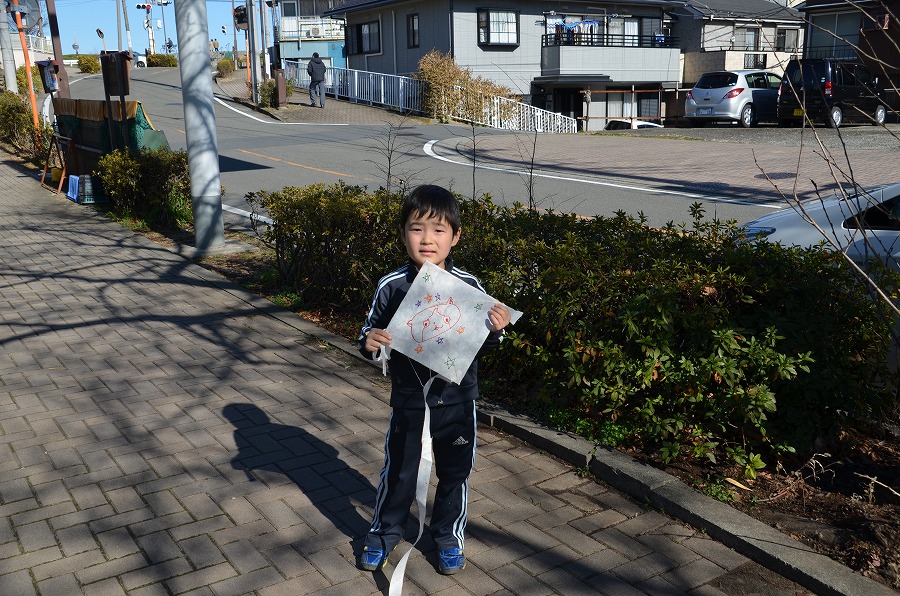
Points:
(499, 317)
(377, 338)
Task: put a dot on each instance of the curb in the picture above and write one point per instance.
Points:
(751, 538)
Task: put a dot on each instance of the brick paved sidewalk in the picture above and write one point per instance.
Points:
(165, 432)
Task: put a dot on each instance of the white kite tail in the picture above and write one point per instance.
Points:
(422, 479)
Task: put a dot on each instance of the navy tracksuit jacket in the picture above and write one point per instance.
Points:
(452, 429)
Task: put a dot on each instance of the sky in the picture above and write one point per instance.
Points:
(80, 19)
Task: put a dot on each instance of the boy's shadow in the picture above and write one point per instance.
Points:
(314, 466)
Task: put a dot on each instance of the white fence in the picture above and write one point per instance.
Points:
(408, 95)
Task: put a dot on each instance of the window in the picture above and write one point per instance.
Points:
(364, 38)
(288, 9)
(498, 27)
(786, 40)
(412, 30)
(746, 38)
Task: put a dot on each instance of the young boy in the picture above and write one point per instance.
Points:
(430, 228)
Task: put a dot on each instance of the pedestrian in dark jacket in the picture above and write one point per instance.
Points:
(430, 228)
(316, 71)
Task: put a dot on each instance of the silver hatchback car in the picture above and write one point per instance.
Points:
(744, 96)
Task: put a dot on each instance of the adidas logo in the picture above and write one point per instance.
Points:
(460, 441)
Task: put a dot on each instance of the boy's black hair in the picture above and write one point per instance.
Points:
(433, 201)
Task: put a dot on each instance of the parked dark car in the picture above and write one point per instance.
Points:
(829, 91)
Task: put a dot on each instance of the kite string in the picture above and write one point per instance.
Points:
(422, 478)
(382, 356)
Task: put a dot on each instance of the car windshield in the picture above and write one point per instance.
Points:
(717, 80)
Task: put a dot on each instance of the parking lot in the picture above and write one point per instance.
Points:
(851, 136)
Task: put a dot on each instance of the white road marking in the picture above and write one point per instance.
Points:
(428, 149)
(252, 117)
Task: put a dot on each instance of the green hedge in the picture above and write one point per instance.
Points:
(152, 186)
(17, 131)
(88, 63)
(169, 60)
(687, 341)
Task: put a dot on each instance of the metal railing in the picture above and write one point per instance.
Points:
(408, 95)
(40, 44)
(610, 40)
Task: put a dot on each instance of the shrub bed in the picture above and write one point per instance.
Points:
(153, 186)
(168, 60)
(688, 341)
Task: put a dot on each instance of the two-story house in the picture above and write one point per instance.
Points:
(301, 30)
(549, 53)
(868, 30)
(736, 34)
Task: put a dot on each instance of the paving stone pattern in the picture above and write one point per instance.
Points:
(164, 432)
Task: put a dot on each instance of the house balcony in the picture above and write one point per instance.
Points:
(613, 58)
(311, 28)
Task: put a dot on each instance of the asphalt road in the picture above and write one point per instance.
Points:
(257, 152)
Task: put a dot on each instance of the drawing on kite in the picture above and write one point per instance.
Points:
(434, 321)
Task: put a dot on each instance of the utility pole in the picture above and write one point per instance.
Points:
(162, 8)
(200, 123)
(9, 63)
(119, 23)
(252, 56)
(127, 29)
(234, 54)
(263, 39)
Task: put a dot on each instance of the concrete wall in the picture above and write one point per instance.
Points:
(395, 57)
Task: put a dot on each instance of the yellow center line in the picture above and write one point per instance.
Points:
(300, 165)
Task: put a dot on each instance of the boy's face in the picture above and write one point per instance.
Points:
(428, 239)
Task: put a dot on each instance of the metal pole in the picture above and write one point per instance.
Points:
(263, 39)
(119, 22)
(200, 123)
(252, 56)
(234, 55)
(57, 50)
(9, 63)
(30, 83)
(127, 29)
(162, 9)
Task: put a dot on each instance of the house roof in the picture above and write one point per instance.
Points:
(741, 9)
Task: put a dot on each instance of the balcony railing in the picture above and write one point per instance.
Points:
(609, 40)
(841, 52)
(39, 44)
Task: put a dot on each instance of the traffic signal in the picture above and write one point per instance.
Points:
(143, 6)
(224, 30)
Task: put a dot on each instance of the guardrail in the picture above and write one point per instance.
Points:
(408, 95)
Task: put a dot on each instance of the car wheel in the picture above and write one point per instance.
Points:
(747, 118)
(140, 65)
(880, 115)
(697, 123)
(835, 117)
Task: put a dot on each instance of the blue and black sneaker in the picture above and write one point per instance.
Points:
(452, 561)
(372, 559)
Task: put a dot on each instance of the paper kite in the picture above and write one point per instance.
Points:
(442, 322)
